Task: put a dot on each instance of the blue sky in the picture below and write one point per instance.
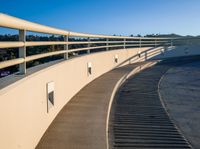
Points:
(121, 17)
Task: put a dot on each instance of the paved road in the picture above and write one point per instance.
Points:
(180, 89)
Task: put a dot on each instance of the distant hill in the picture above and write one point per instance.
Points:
(163, 35)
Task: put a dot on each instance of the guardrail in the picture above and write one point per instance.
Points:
(110, 42)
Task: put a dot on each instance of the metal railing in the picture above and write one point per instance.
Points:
(110, 42)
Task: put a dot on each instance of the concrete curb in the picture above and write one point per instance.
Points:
(117, 86)
(167, 111)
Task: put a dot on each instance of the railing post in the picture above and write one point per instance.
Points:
(107, 44)
(155, 42)
(66, 47)
(53, 47)
(22, 52)
(124, 43)
(88, 51)
(171, 43)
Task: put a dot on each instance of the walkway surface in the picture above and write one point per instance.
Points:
(180, 89)
(81, 124)
(138, 118)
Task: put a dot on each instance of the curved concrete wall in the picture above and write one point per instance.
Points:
(23, 108)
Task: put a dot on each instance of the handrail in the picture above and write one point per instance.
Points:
(16, 23)
(107, 42)
(9, 63)
(17, 44)
(43, 55)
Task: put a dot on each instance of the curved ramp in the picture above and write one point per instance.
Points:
(81, 124)
(138, 119)
(180, 90)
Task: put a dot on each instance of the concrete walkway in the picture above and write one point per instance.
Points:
(180, 89)
(138, 119)
(81, 124)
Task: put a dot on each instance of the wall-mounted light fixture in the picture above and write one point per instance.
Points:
(139, 54)
(89, 68)
(50, 95)
(116, 58)
(162, 51)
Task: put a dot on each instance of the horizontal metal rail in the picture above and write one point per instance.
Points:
(9, 63)
(43, 55)
(10, 44)
(91, 41)
(17, 44)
